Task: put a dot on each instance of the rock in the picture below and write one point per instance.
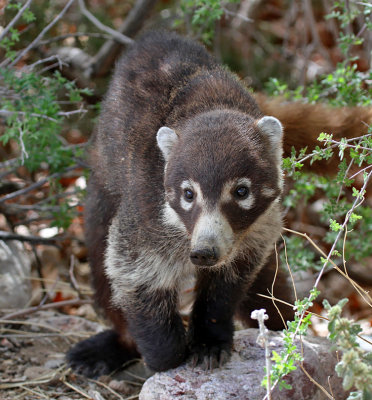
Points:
(15, 271)
(241, 377)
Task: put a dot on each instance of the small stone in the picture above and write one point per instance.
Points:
(54, 362)
(120, 386)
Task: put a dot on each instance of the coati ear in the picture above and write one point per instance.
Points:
(272, 128)
(166, 138)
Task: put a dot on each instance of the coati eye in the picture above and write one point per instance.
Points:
(188, 194)
(241, 192)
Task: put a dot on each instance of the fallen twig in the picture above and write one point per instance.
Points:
(31, 310)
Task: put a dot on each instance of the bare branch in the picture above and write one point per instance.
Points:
(68, 114)
(108, 53)
(30, 239)
(7, 113)
(44, 60)
(23, 148)
(36, 185)
(263, 340)
(237, 15)
(117, 35)
(73, 282)
(247, 9)
(308, 11)
(13, 208)
(75, 35)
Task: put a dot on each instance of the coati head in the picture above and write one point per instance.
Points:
(222, 171)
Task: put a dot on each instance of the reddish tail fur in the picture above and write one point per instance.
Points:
(304, 122)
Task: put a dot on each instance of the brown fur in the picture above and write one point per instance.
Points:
(140, 258)
(304, 122)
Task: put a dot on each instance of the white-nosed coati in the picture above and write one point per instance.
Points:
(186, 180)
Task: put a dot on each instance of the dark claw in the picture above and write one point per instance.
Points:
(210, 357)
(224, 357)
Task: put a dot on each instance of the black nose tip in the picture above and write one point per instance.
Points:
(207, 256)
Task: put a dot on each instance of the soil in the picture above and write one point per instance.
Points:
(32, 362)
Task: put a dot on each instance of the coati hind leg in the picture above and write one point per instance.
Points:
(100, 354)
(263, 285)
(108, 350)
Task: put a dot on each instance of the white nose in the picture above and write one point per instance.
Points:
(211, 240)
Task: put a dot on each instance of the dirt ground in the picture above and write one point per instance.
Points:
(32, 362)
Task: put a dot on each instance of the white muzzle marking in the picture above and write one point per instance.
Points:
(212, 230)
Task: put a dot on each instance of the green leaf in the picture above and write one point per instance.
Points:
(335, 226)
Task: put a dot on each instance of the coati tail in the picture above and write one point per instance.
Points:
(304, 122)
(100, 354)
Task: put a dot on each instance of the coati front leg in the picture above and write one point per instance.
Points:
(157, 328)
(221, 295)
(211, 325)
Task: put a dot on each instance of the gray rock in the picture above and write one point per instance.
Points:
(15, 271)
(241, 377)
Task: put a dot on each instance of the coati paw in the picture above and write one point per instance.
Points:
(98, 355)
(210, 357)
